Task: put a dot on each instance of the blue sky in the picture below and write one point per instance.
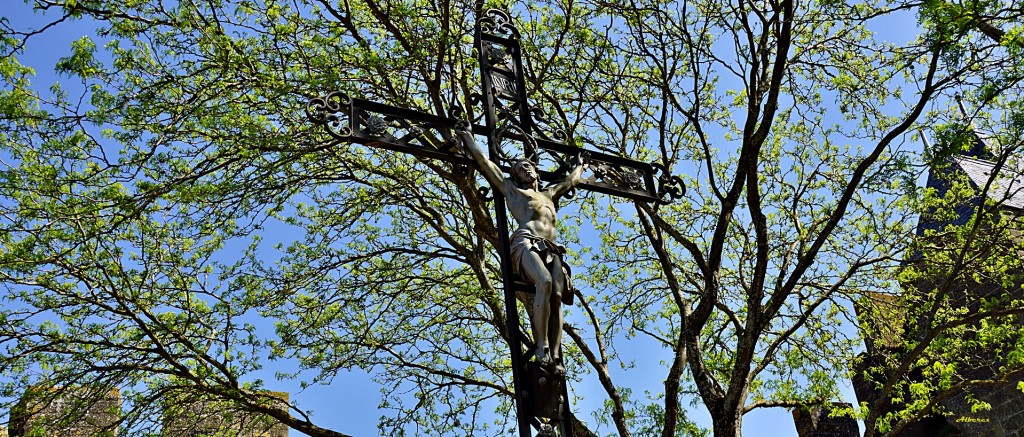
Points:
(349, 404)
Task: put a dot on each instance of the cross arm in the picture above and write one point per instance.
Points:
(430, 136)
(387, 127)
(613, 175)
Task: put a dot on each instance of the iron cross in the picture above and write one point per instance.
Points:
(505, 115)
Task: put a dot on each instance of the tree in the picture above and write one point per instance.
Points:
(142, 205)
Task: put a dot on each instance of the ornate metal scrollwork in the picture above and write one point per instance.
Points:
(623, 177)
(485, 193)
(384, 126)
(332, 111)
(670, 187)
(476, 99)
(498, 22)
(506, 113)
(544, 125)
(456, 112)
(497, 55)
(476, 108)
(511, 130)
(376, 126)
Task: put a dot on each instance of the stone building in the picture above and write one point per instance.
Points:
(890, 322)
(1001, 185)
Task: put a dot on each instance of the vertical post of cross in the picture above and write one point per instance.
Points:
(504, 91)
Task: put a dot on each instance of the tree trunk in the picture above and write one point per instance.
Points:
(727, 422)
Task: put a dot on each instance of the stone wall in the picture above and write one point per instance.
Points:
(188, 417)
(77, 412)
(886, 316)
(817, 423)
(67, 412)
(1005, 419)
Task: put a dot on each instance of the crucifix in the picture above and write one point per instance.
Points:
(531, 259)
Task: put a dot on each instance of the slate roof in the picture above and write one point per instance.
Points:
(1007, 187)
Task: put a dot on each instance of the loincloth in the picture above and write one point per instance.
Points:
(524, 241)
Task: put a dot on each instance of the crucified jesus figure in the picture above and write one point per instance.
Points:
(536, 256)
